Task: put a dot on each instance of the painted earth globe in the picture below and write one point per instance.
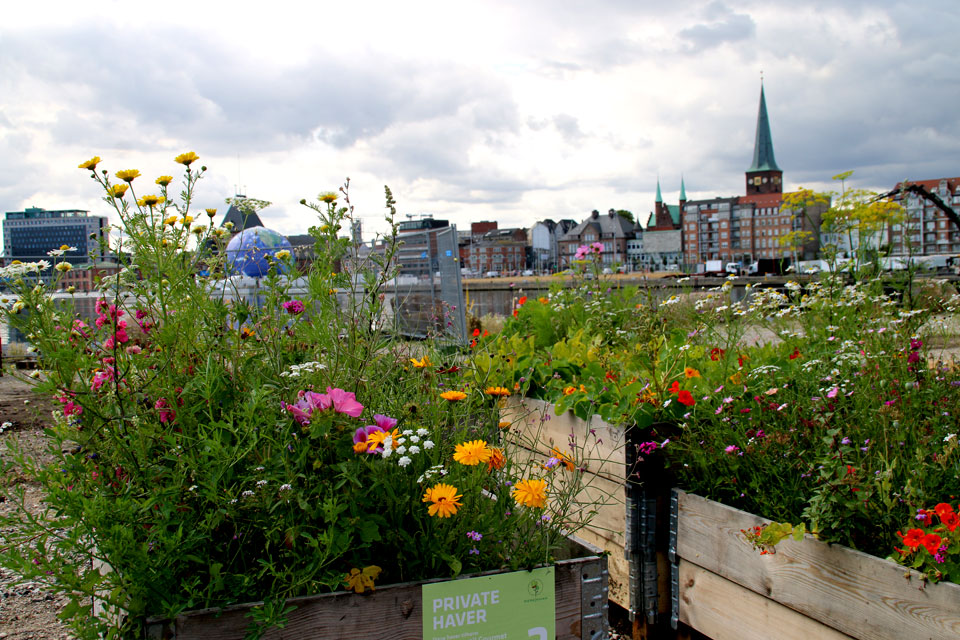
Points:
(248, 252)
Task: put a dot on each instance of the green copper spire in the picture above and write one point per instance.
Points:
(763, 159)
(659, 197)
(683, 190)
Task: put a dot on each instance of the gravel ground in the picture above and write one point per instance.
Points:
(27, 610)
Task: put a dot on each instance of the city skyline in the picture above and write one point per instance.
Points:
(485, 112)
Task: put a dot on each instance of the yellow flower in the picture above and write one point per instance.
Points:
(164, 180)
(328, 197)
(71, 289)
(170, 220)
(361, 580)
(90, 164)
(283, 254)
(187, 220)
(543, 300)
(453, 396)
(497, 391)
(531, 493)
(736, 378)
(690, 372)
(63, 267)
(118, 190)
(472, 453)
(420, 364)
(211, 212)
(504, 424)
(198, 229)
(186, 158)
(246, 332)
(445, 500)
(375, 440)
(128, 175)
(563, 458)
(569, 391)
(149, 200)
(66, 247)
(497, 459)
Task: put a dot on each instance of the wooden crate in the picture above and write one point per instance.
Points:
(807, 589)
(394, 612)
(535, 425)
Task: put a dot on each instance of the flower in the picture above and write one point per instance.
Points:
(167, 414)
(472, 453)
(128, 175)
(170, 220)
(63, 267)
(149, 200)
(283, 254)
(187, 220)
(796, 354)
(731, 449)
(912, 539)
(186, 158)
(475, 536)
(421, 363)
(164, 180)
(211, 212)
(293, 307)
(117, 190)
(498, 460)
(497, 391)
(684, 397)
(444, 498)
(569, 391)
(931, 542)
(562, 458)
(90, 164)
(690, 372)
(453, 396)
(716, 353)
(327, 196)
(531, 493)
(361, 580)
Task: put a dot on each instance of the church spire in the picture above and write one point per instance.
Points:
(763, 176)
(659, 197)
(683, 191)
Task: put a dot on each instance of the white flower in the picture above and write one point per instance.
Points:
(192, 488)
(948, 438)
(422, 432)
(401, 450)
(259, 469)
(407, 432)
(404, 461)
(246, 494)
(261, 483)
(414, 450)
(414, 438)
(285, 487)
(428, 444)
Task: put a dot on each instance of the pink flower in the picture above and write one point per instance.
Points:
(833, 393)
(582, 252)
(732, 449)
(293, 307)
(72, 409)
(346, 402)
(102, 376)
(360, 437)
(167, 414)
(597, 247)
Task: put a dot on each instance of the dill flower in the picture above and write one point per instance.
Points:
(531, 493)
(128, 175)
(186, 158)
(472, 453)
(90, 164)
(453, 396)
(497, 391)
(164, 180)
(118, 190)
(444, 498)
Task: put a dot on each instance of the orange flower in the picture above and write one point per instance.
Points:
(912, 539)
(931, 542)
(569, 391)
(497, 391)
(563, 459)
(504, 424)
(690, 372)
(445, 500)
(453, 396)
(531, 493)
(497, 459)
(472, 453)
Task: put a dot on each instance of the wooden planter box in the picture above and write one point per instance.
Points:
(808, 589)
(536, 420)
(395, 612)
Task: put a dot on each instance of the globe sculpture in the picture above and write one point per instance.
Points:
(249, 250)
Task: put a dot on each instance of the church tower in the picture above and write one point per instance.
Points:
(763, 176)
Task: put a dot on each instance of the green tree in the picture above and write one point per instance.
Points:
(860, 212)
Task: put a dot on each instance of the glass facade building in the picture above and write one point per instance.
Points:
(32, 233)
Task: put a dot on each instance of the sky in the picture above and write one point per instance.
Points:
(470, 111)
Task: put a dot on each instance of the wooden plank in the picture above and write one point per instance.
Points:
(723, 610)
(392, 612)
(535, 425)
(860, 595)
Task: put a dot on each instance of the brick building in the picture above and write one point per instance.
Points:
(612, 230)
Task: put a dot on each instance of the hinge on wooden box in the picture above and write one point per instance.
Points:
(648, 556)
(594, 603)
(674, 561)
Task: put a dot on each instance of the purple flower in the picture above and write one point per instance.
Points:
(293, 307)
(475, 551)
(915, 344)
(475, 536)
(845, 441)
(361, 435)
(732, 449)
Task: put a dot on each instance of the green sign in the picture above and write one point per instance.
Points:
(507, 606)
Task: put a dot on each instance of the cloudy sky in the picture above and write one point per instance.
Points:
(508, 111)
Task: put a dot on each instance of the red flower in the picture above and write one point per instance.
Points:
(795, 354)
(925, 517)
(931, 542)
(522, 301)
(951, 520)
(912, 539)
(476, 332)
(943, 508)
(675, 387)
(685, 398)
(716, 353)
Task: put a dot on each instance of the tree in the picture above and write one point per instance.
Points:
(859, 212)
(623, 213)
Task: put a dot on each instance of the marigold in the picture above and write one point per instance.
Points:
(421, 363)
(90, 164)
(472, 453)
(504, 424)
(445, 500)
(149, 201)
(569, 391)
(186, 158)
(360, 580)
(531, 493)
(563, 459)
(128, 175)
(453, 396)
(164, 180)
(375, 439)
(690, 372)
(118, 190)
(497, 459)
(170, 220)
(497, 391)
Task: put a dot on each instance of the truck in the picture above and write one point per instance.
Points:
(714, 268)
(769, 266)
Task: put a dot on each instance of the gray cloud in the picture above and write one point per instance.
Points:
(722, 25)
